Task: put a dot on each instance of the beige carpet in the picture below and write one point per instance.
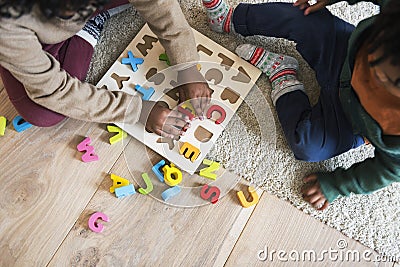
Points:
(257, 150)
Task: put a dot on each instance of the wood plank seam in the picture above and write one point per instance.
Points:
(243, 228)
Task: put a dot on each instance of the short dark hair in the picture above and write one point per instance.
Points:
(386, 34)
(49, 8)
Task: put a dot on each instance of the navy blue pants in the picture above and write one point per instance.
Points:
(323, 131)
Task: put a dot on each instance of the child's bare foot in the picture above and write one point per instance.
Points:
(312, 193)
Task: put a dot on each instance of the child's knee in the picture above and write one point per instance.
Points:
(311, 148)
(305, 153)
(45, 121)
(314, 151)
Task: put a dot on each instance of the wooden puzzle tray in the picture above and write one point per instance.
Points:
(229, 76)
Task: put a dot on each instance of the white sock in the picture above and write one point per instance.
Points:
(93, 27)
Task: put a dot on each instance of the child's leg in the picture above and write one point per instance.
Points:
(219, 15)
(29, 110)
(74, 56)
(319, 132)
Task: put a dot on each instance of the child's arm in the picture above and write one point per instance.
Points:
(166, 20)
(361, 178)
(47, 84)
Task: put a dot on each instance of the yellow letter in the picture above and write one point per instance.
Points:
(119, 136)
(244, 201)
(117, 182)
(208, 172)
(172, 175)
(189, 151)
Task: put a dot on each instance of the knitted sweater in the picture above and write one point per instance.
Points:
(50, 86)
(373, 173)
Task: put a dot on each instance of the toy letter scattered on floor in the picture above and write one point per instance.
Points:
(207, 192)
(118, 182)
(121, 134)
(3, 124)
(189, 151)
(220, 110)
(149, 185)
(124, 191)
(94, 225)
(243, 200)
(209, 171)
(20, 124)
(131, 59)
(146, 93)
(172, 175)
(156, 169)
(170, 192)
(85, 146)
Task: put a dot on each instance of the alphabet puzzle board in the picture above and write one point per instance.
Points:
(229, 76)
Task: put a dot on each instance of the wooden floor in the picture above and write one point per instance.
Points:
(48, 194)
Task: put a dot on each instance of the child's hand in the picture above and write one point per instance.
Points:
(303, 4)
(162, 121)
(199, 95)
(194, 87)
(312, 192)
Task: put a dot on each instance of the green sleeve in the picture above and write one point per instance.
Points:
(361, 178)
(352, 2)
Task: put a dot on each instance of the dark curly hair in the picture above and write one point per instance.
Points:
(385, 34)
(49, 8)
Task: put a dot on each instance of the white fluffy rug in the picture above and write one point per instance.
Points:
(260, 153)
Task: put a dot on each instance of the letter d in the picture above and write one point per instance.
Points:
(262, 254)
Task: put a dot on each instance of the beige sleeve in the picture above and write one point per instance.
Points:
(50, 86)
(166, 20)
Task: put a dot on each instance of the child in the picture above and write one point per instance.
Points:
(359, 74)
(46, 48)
